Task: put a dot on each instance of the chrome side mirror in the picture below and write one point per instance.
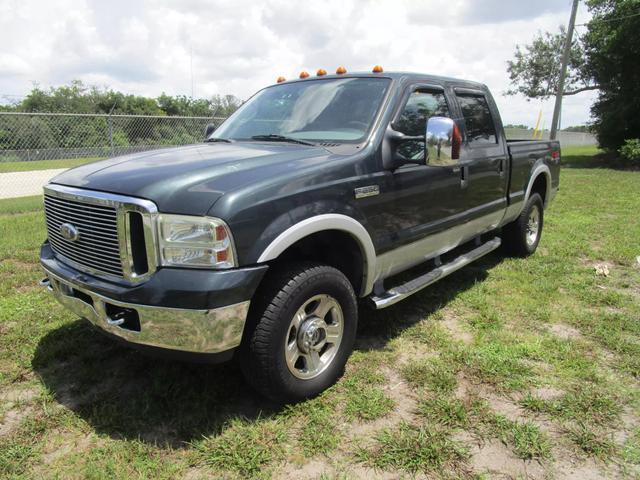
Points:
(442, 142)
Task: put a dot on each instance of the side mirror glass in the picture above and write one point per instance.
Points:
(442, 142)
(209, 130)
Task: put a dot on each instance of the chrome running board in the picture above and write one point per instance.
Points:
(395, 294)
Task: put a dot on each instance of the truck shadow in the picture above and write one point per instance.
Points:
(125, 394)
(377, 327)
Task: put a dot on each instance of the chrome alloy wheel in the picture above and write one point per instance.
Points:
(533, 226)
(314, 336)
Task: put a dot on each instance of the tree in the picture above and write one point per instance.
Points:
(605, 58)
(535, 70)
(612, 47)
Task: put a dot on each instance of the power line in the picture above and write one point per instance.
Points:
(605, 20)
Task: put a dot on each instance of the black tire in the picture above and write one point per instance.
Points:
(516, 236)
(269, 328)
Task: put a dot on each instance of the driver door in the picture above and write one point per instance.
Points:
(427, 200)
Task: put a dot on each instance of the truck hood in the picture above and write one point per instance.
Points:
(190, 179)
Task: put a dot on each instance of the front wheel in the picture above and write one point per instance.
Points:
(522, 236)
(301, 332)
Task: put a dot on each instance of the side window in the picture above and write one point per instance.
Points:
(477, 120)
(420, 106)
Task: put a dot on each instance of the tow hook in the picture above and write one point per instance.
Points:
(46, 283)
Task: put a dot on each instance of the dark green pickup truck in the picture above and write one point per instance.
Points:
(257, 243)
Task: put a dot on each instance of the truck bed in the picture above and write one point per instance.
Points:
(527, 155)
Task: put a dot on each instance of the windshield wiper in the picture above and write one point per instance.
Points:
(216, 139)
(272, 137)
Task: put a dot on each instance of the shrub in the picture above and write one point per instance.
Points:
(630, 151)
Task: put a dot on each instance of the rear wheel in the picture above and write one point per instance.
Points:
(300, 333)
(522, 236)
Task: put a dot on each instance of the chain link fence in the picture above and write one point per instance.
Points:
(565, 138)
(34, 147)
(59, 136)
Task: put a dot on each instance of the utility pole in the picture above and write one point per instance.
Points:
(563, 71)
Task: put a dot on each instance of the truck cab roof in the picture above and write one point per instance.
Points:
(401, 77)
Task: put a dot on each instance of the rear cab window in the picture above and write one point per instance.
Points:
(478, 122)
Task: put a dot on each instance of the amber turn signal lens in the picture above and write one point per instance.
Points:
(341, 70)
(321, 72)
(304, 74)
(281, 79)
(377, 69)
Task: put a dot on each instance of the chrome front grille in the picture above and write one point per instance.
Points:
(97, 246)
(107, 235)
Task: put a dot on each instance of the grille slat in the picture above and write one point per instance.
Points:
(89, 216)
(97, 247)
(98, 237)
(82, 208)
(85, 206)
(82, 223)
(101, 266)
(102, 250)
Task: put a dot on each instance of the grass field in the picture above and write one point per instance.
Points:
(6, 167)
(509, 368)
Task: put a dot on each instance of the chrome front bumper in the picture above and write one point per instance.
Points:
(198, 331)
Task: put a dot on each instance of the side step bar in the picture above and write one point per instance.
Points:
(401, 292)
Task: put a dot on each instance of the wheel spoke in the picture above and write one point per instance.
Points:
(324, 306)
(312, 361)
(334, 332)
(292, 353)
(298, 319)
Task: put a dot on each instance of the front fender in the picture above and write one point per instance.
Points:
(303, 221)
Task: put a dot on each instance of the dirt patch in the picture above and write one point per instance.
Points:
(12, 419)
(547, 393)
(564, 331)
(18, 395)
(569, 468)
(65, 445)
(452, 323)
(495, 459)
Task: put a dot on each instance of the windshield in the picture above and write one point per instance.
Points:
(337, 110)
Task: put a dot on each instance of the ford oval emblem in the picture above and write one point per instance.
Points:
(69, 232)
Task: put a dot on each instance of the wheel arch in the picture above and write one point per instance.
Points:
(540, 182)
(324, 224)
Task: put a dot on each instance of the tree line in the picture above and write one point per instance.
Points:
(71, 136)
(80, 98)
(604, 57)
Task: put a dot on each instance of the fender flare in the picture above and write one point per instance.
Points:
(541, 169)
(320, 223)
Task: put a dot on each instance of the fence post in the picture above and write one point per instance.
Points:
(109, 119)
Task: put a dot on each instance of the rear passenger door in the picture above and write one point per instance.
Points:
(483, 158)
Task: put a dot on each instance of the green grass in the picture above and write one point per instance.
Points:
(26, 166)
(414, 449)
(463, 363)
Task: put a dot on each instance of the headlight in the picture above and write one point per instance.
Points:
(195, 242)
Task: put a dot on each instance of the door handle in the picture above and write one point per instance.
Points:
(501, 167)
(464, 177)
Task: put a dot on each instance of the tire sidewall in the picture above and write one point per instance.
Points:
(330, 282)
(534, 201)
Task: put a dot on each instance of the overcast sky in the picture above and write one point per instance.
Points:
(238, 46)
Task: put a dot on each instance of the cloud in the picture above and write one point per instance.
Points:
(150, 46)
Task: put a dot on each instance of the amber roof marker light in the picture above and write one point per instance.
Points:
(377, 69)
(321, 72)
(341, 70)
(304, 74)
(281, 79)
